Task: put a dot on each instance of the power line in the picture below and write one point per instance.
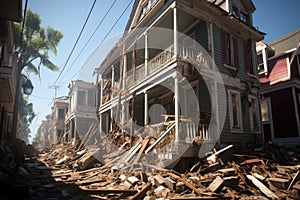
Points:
(75, 42)
(110, 30)
(116, 22)
(99, 24)
(46, 98)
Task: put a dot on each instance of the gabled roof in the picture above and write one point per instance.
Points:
(286, 43)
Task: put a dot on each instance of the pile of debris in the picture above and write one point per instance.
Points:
(230, 173)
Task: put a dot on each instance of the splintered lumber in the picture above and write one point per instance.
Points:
(160, 137)
(216, 184)
(295, 179)
(129, 154)
(142, 149)
(189, 185)
(262, 187)
(109, 191)
(214, 156)
(142, 193)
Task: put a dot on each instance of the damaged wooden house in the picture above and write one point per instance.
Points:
(81, 111)
(182, 75)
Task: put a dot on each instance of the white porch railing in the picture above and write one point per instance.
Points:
(193, 130)
(83, 108)
(194, 56)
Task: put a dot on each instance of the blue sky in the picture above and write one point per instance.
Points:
(274, 17)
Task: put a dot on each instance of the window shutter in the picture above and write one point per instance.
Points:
(246, 56)
(236, 53)
(223, 46)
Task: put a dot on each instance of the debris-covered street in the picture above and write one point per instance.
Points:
(69, 172)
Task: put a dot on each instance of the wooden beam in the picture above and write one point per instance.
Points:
(142, 149)
(262, 187)
(142, 193)
(189, 185)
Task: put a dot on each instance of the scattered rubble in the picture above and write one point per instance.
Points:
(67, 171)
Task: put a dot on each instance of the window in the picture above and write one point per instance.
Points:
(235, 114)
(244, 17)
(81, 98)
(61, 113)
(253, 111)
(262, 60)
(260, 63)
(265, 111)
(228, 49)
(235, 11)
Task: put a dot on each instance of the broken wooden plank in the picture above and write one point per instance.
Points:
(142, 193)
(159, 180)
(170, 183)
(160, 138)
(216, 185)
(142, 149)
(262, 187)
(189, 185)
(279, 182)
(251, 161)
(214, 156)
(109, 191)
(296, 178)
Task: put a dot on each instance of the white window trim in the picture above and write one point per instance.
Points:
(232, 129)
(264, 55)
(251, 97)
(86, 97)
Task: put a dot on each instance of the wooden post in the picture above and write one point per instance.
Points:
(146, 54)
(175, 27)
(177, 114)
(146, 116)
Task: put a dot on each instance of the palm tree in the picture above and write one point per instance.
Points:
(37, 43)
(33, 52)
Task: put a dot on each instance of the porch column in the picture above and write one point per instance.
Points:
(146, 54)
(124, 71)
(112, 80)
(101, 93)
(123, 117)
(111, 118)
(146, 116)
(177, 113)
(175, 35)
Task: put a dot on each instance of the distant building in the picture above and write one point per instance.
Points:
(81, 111)
(279, 72)
(44, 133)
(10, 11)
(59, 111)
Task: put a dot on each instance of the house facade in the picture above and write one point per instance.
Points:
(59, 110)
(279, 71)
(81, 111)
(10, 11)
(160, 79)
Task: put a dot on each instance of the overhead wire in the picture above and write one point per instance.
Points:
(99, 24)
(75, 42)
(107, 34)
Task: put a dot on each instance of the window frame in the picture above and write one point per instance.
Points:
(63, 113)
(253, 130)
(239, 118)
(228, 49)
(84, 99)
(265, 63)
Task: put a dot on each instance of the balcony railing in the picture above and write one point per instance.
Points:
(134, 76)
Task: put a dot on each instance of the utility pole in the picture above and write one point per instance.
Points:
(55, 87)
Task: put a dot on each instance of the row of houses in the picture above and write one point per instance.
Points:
(10, 12)
(71, 116)
(196, 69)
